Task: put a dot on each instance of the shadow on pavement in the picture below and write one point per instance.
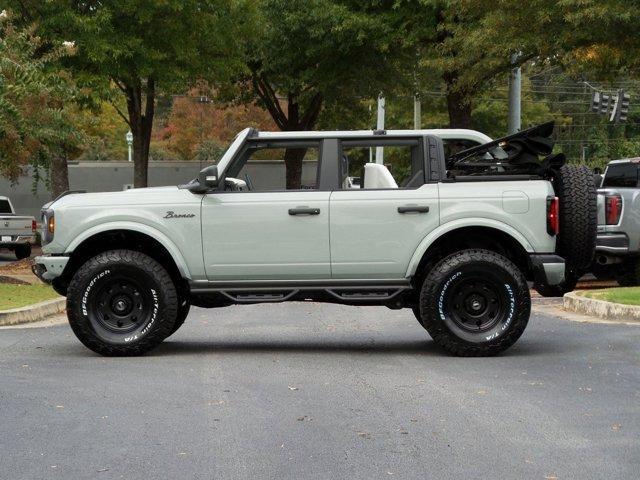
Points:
(412, 347)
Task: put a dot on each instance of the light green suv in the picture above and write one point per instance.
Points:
(354, 217)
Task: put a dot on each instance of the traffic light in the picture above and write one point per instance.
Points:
(595, 102)
(605, 104)
(620, 107)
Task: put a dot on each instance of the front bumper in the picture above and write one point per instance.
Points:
(49, 267)
(612, 243)
(548, 269)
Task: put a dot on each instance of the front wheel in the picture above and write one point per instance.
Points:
(121, 302)
(475, 303)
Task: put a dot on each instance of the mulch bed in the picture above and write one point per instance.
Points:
(12, 280)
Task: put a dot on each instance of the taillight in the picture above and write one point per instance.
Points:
(613, 208)
(553, 215)
(34, 226)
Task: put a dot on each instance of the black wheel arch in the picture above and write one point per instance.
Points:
(121, 239)
(465, 238)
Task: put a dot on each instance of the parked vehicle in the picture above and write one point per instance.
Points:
(17, 233)
(618, 241)
(453, 238)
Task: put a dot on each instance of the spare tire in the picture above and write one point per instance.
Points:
(576, 190)
(576, 242)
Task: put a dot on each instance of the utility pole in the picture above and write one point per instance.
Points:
(417, 112)
(380, 126)
(515, 98)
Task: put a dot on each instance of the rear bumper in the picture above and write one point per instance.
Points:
(612, 243)
(18, 240)
(48, 267)
(548, 269)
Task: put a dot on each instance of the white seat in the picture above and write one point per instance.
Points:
(378, 176)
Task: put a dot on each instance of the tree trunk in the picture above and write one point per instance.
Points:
(293, 164)
(59, 175)
(459, 106)
(141, 124)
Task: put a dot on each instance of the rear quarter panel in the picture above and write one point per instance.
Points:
(519, 205)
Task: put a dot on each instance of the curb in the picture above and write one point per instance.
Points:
(600, 308)
(32, 313)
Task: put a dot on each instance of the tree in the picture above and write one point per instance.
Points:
(471, 44)
(600, 35)
(36, 103)
(142, 47)
(193, 127)
(313, 54)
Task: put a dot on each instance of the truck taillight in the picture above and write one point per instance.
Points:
(553, 215)
(613, 208)
(34, 226)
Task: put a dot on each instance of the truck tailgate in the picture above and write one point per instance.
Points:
(13, 226)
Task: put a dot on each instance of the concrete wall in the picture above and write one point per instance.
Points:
(116, 176)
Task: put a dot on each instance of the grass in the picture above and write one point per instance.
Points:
(15, 296)
(624, 295)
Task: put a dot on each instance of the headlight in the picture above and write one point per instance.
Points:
(48, 226)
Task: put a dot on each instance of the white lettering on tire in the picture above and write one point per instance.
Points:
(145, 330)
(85, 296)
(442, 293)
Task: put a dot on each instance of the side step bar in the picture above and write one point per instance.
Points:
(365, 292)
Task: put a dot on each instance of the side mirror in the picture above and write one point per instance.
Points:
(208, 177)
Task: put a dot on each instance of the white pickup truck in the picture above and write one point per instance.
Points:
(17, 233)
(454, 237)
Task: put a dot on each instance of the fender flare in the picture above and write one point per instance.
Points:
(165, 241)
(458, 224)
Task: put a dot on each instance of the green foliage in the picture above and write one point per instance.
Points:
(35, 102)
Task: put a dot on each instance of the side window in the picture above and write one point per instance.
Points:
(624, 175)
(402, 165)
(262, 167)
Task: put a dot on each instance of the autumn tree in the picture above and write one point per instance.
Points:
(141, 48)
(37, 99)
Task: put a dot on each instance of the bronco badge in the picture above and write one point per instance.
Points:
(171, 214)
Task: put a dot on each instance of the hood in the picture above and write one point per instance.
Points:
(151, 195)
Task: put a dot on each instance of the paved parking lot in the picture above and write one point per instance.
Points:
(321, 391)
(6, 257)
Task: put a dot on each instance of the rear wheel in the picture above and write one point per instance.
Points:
(475, 303)
(121, 302)
(23, 251)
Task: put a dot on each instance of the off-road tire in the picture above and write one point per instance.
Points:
(567, 285)
(577, 193)
(184, 305)
(23, 251)
(629, 273)
(470, 275)
(151, 307)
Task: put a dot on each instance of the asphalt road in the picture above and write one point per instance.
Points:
(6, 257)
(308, 391)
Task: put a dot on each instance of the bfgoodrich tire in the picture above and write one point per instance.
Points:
(576, 191)
(475, 303)
(121, 302)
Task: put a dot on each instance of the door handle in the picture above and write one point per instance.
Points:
(304, 211)
(413, 209)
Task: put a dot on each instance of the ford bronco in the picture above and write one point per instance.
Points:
(447, 223)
